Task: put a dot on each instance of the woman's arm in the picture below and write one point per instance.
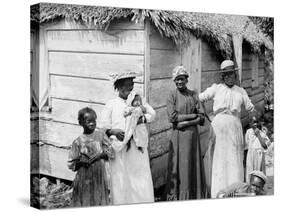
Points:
(193, 117)
(248, 103)
(208, 94)
(149, 113)
(261, 139)
(187, 117)
(184, 124)
(171, 107)
(106, 122)
(108, 151)
(117, 132)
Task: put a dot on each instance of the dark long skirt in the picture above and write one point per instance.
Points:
(90, 186)
(185, 178)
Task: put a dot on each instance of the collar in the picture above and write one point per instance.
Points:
(233, 87)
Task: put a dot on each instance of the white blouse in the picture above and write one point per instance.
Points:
(227, 98)
(113, 114)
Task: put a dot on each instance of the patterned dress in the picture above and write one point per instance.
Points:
(186, 178)
(90, 186)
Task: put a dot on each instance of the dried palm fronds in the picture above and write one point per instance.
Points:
(214, 28)
(48, 195)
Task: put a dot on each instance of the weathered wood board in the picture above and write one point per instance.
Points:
(159, 90)
(248, 83)
(122, 23)
(163, 62)
(54, 133)
(94, 65)
(159, 143)
(161, 122)
(159, 42)
(192, 60)
(209, 78)
(159, 167)
(67, 110)
(83, 89)
(210, 59)
(115, 41)
(51, 161)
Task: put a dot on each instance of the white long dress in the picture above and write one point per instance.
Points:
(131, 180)
(227, 165)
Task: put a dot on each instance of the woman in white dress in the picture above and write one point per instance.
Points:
(228, 98)
(131, 180)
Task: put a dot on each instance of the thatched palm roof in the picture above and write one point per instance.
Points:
(215, 28)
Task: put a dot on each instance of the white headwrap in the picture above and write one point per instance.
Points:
(179, 70)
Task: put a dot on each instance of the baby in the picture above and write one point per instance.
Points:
(135, 122)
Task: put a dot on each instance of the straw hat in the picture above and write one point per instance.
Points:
(123, 75)
(228, 66)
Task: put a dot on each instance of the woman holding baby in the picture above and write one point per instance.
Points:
(124, 119)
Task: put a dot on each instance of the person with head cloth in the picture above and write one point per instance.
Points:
(227, 99)
(254, 187)
(131, 180)
(185, 177)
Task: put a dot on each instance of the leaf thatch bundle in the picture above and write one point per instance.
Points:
(215, 28)
(48, 195)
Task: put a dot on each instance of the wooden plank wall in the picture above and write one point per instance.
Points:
(80, 60)
(163, 58)
(34, 65)
(32, 57)
(253, 80)
(210, 70)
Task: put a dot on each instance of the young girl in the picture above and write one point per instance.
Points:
(87, 155)
(256, 144)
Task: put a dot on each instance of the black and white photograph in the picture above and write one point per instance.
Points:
(139, 105)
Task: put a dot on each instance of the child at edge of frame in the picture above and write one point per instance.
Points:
(88, 157)
(256, 144)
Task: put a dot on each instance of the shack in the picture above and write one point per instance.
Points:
(74, 48)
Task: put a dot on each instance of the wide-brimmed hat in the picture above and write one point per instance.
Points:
(228, 66)
(179, 71)
(258, 174)
(123, 75)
